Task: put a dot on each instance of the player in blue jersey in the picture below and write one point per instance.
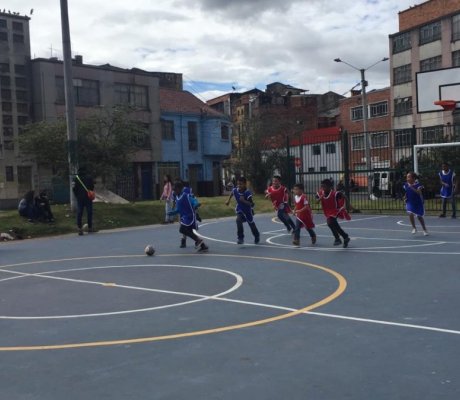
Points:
(414, 201)
(186, 205)
(447, 177)
(244, 210)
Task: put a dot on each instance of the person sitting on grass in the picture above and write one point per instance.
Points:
(27, 207)
(42, 204)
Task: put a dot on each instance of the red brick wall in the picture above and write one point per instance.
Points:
(430, 10)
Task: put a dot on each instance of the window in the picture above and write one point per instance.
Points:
(379, 109)
(357, 142)
(3, 36)
(430, 33)
(142, 139)
(6, 106)
(403, 106)
(22, 108)
(8, 145)
(402, 74)
(7, 120)
(22, 120)
(6, 94)
(133, 95)
(316, 150)
(357, 113)
(85, 91)
(323, 169)
(330, 148)
(2, 23)
(379, 140)
(192, 136)
(21, 82)
(20, 69)
(17, 38)
(17, 26)
(5, 81)
(311, 169)
(4, 68)
(430, 64)
(456, 58)
(403, 138)
(402, 42)
(167, 130)
(456, 27)
(9, 174)
(224, 134)
(21, 95)
(8, 131)
(432, 134)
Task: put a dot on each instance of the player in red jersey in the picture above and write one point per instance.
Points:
(303, 214)
(279, 196)
(333, 204)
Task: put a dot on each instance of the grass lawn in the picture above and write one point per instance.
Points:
(109, 216)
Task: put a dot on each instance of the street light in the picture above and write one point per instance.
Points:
(365, 118)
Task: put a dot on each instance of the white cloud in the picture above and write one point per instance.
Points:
(243, 42)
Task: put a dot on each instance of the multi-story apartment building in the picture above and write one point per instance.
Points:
(428, 40)
(15, 90)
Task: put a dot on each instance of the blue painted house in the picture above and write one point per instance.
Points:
(195, 139)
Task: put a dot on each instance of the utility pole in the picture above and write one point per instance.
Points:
(69, 100)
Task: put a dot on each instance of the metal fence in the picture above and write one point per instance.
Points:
(375, 184)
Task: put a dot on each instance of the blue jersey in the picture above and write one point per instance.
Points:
(242, 208)
(185, 206)
(414, 200)
(447, 178)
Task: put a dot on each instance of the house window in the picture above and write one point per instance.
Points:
(379, 140)
(21, 82)
(403, 138)
(6, 94)
(142, 139)
(20, 69)
(4, 36)
(432, 134)
(379, 109)
(22, 108)
(7, 120)
(456, 27)
(330, 148)
(17, 38)
(456, 58)
(8, 131)
(22, 120)
(85, 91)
(357, 113)
(403, 106)
(9, 173)
(167, 129)
(402, 42)
(8, 145)
(6, 106)
(5, 81)
(429, 64)
(192, 136)
(4, 68)
(21, 95)
(430, 33)
(316, 150)
(224, 132)
(402, 74)
(133, 95)
(17, 26)
(2, 23)
(322, 169)
(357, 142)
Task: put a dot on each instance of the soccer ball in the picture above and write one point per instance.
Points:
(149, 250)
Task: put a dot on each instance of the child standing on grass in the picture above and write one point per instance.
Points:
(333, 204)
(279, 196)
(186, 206)
(303, 214)
(414, 201)
(244, 210)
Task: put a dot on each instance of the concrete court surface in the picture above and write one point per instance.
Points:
(92, 317)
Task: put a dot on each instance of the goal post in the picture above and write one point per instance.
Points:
(430, 146)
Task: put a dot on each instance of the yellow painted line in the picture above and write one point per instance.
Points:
(342, 284)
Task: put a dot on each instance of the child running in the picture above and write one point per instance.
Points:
(303, 214)
(197, 205)
(244, 210)
(279, 196)
(414, 201)
(333, 204)
(186, 206)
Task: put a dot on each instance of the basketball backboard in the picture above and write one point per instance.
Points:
(441, 84)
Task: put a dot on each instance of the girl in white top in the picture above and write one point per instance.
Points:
(167, 196)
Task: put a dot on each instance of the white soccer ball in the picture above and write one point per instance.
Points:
(85, 227)
(149, 250)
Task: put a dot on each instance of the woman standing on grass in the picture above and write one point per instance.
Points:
(414, 201)
(167, 196)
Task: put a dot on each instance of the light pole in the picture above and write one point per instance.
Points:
(367, 146)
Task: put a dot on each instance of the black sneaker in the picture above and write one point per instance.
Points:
(198, 244)
(80, 232)
(203, 248)
(454, 216)
(240, 241)
(337, 242)
(442, 216)
(182, 243)
(345, 242)
(256, 239)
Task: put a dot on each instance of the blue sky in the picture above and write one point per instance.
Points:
(218, 44)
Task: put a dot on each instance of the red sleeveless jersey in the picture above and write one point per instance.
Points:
(333, 205)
